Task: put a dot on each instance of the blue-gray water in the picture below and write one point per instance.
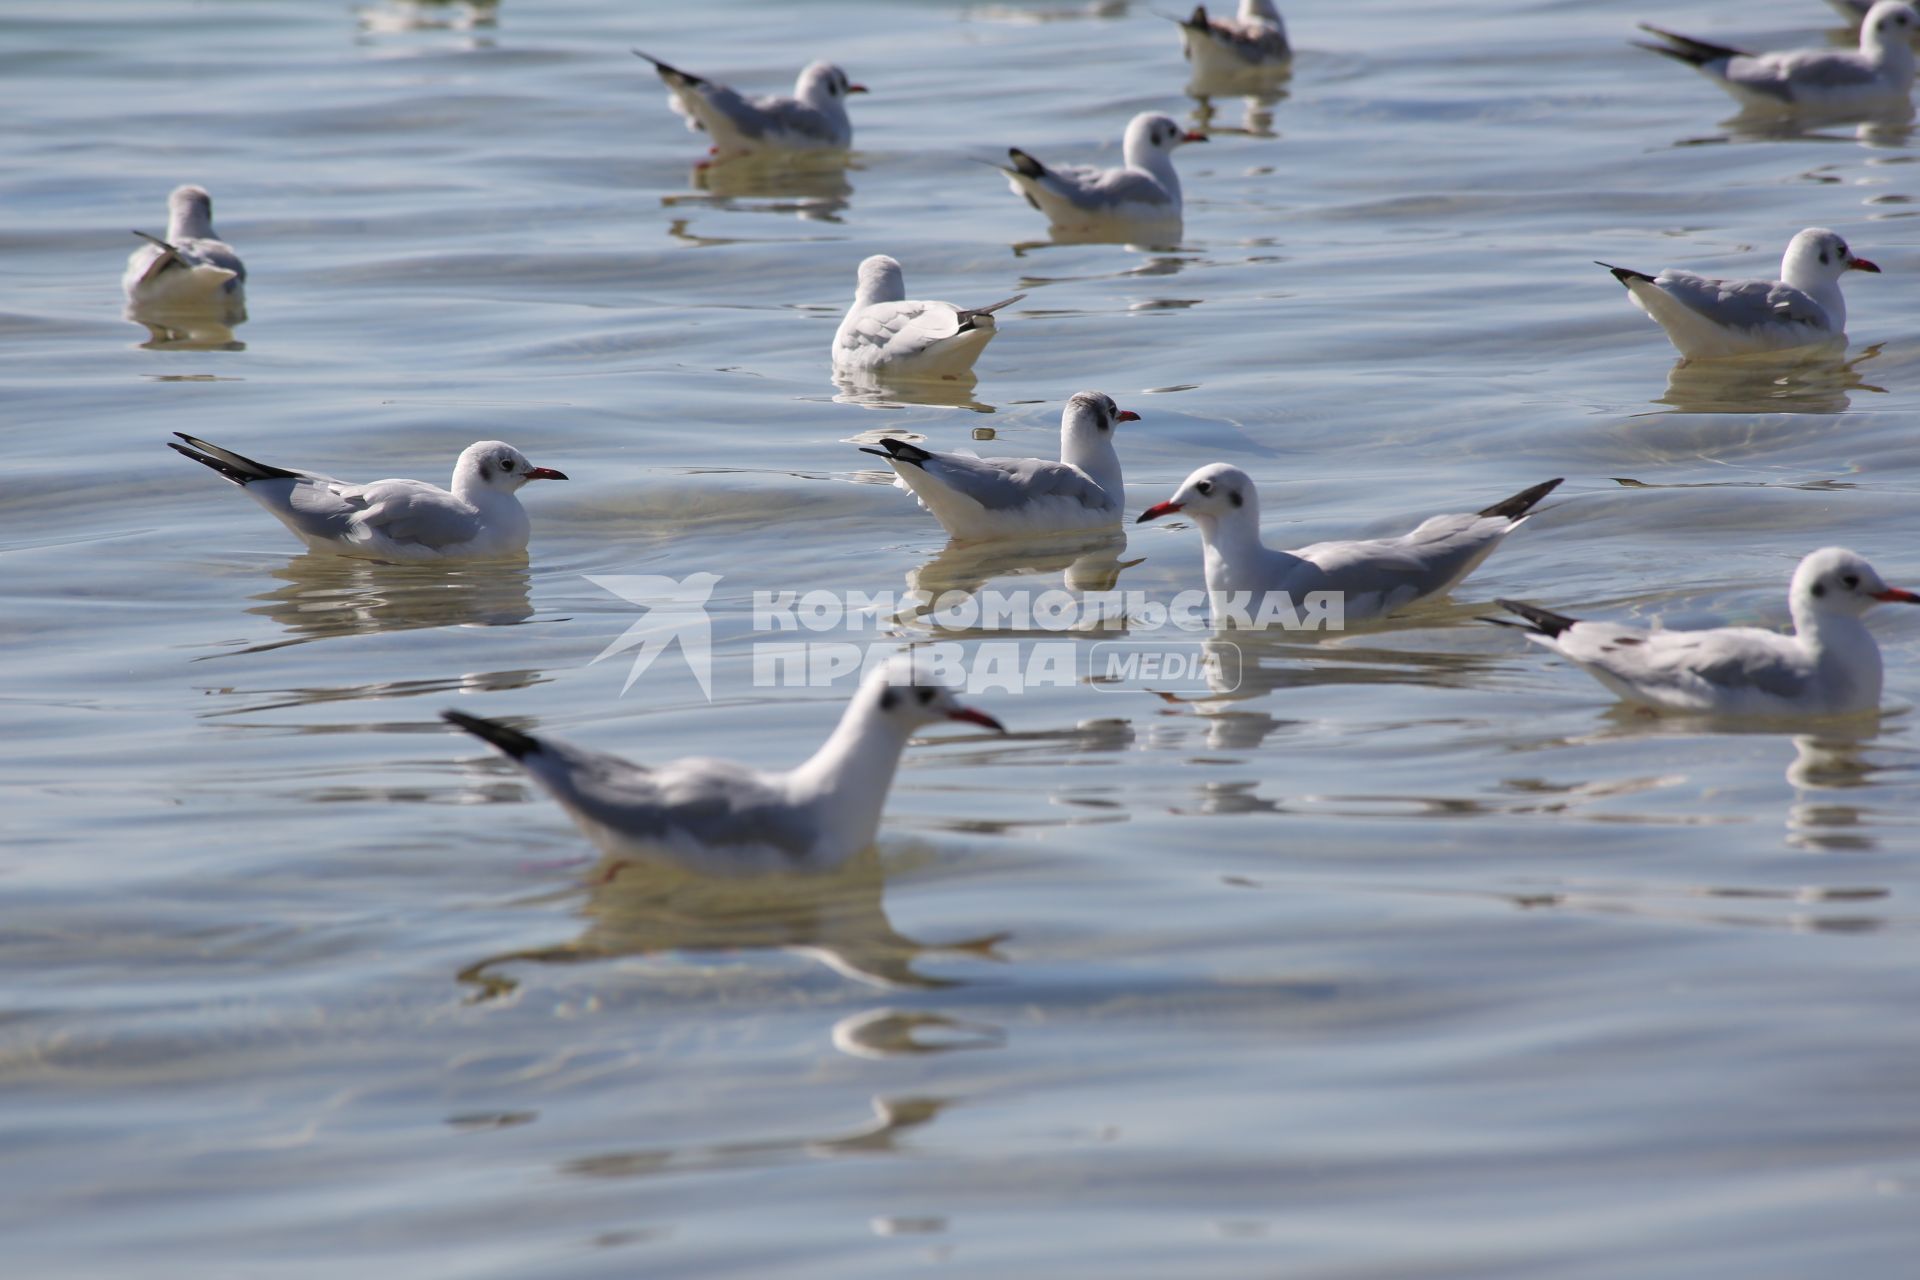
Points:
(1418, 959)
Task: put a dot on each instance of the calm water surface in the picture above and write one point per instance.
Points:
(1415, 958)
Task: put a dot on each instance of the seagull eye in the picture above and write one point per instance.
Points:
(1205, 486)
(1852, 581)
(926, 696)
(506, 464)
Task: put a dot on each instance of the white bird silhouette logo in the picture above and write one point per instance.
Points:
(676, 609)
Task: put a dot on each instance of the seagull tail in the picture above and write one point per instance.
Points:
(1517, 507)
(1025, 165)
(1625, 275)
(509, 742)
(236, 467)
(971, 316)
(899, 451)
(668, 72)
(1695, 53)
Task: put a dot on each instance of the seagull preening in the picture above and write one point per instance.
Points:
(1876, 75)
(814, 119)
(886, 334)
(1228, 49)
(192, 268)
(1374, 578)
(714, 817)
(1829, 665)
(1709, 318)
(398, 520)
(1079, 198)
(979, 498)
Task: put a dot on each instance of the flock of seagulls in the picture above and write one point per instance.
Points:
(719, 818)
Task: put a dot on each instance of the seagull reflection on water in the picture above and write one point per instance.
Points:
(839, 919)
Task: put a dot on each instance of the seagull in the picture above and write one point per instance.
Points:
(1877, 74)
(481, 519)
(1374, 578)
(1234, 48)
(1145, 189)
(813, 119)
(1708, 318)
(192, 268)
(714, 817)
(884, 333)
(979, 498)
(1830, 665)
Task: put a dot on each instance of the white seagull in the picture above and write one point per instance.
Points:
(717, 818)
(1374, 578)
(884, 333)
(192, 268)
(1876, 75)
(1228, 49)
(979, 498)
(1708, 318)
(411, 520)
(1830, 665)
(814, 119)
(1078, 198)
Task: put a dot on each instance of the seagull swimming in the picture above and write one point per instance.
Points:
(979, 498)
(717, 818)
(1708, 318)
(814, 119)
(1080, 198)
(1227, 49)
(191, 268)
(1877, 74)
(886, 334)
(1374, 578)
(410, 520)
(1829, 665)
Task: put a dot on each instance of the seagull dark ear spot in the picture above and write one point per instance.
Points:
(887, 699)
(486, 472)
(1819, 589)
(1824, 259)
(1238, 501)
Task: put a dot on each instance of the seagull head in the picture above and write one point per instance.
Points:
(1150, 134)
(1834, 580)
(1820, 256)
(881, 280)
(493, 466)
(909, 697)
(1215, 492)
(189, 213)
(1889, 24)
(1089, 419)
(822, 82)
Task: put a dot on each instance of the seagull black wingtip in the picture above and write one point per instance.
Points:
(508, 741)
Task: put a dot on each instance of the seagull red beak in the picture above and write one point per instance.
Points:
(1157, 510)
(545, 473)
(1193, 135)
(1126, 415)
(1894, 595)
(980, 718)
(1861, 264)
(857, 88)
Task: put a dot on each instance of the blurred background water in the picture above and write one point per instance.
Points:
(1416, 957)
